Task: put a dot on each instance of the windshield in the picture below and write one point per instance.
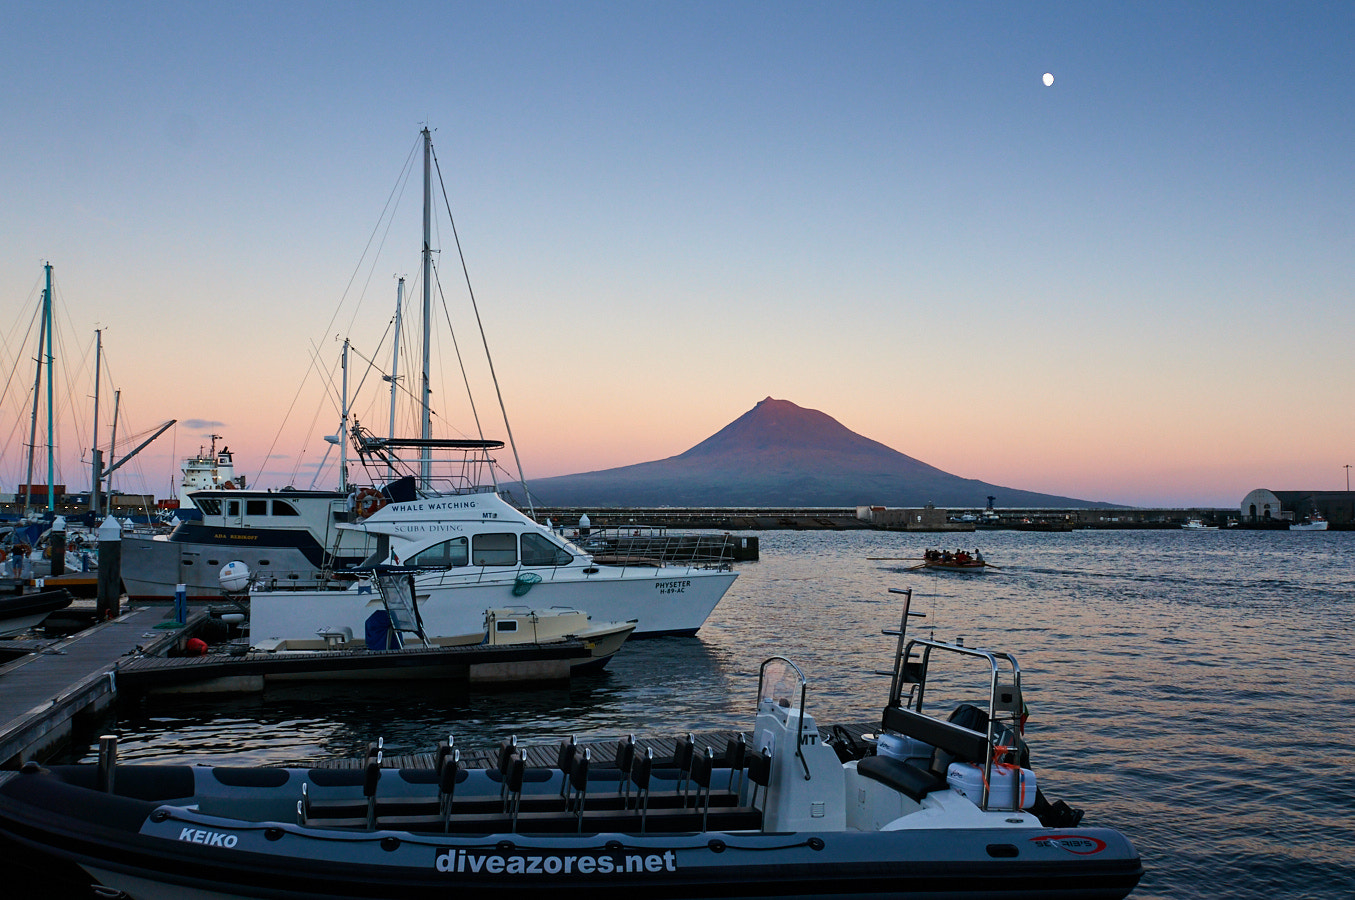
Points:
(781, 684)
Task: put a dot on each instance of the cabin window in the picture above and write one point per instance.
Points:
(495, 550)
(233, 508)
(503, 626)
(539, 550)
(283, 508)
(256, 507)
(442, 555)
(208, 507)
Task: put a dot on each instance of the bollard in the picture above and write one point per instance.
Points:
(110, 569)
(108, 761)
(181, 603)
(57, 546)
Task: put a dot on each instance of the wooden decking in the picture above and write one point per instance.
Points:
(41, 693)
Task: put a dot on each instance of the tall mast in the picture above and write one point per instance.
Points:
(426, 464)
(96, 467)
(113, 439)
(51, 450)
(33, 423)
(343, 426)
(395, 361)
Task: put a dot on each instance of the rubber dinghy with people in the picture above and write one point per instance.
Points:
(929, 807)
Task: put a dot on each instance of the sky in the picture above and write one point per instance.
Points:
(1132, 285)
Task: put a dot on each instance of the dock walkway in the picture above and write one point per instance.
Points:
(41, 694)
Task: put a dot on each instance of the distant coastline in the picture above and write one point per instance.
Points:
(851, 518)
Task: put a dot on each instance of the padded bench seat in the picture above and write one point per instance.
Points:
(903, 777)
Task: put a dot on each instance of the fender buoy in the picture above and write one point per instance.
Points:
(369, 501)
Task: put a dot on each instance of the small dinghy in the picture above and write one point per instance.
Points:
(934, 807)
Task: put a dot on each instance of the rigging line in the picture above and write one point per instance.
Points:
(492, 374)
(456, 346)
(397, 191)
(277, 435)
(371, 363)
(14, 370)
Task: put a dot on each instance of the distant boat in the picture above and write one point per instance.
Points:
(1312, 522)
(211, 470)
(959, 561)
(1198, 525)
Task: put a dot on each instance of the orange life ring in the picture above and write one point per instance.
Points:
(369, 501)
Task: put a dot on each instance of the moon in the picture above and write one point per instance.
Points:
(1048, 79)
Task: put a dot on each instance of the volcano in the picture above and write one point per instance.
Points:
(781, 455)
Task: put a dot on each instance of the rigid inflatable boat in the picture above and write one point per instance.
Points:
(932, 807)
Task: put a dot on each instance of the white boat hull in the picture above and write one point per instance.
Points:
(665, 601)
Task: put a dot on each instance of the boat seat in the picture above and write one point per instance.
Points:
(962, 744)
(683, 754)
(903, 777)
(625, 759)
(344, 813)
(759, 775)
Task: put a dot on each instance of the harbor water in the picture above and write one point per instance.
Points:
(1191, 689)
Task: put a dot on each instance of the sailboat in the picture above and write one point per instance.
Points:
(39, 516)
(433, 507)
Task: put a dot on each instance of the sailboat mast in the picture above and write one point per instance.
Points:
(426, 464)
(395, 362)
(96, 473)
(51, 449)
(343, 426)
(33, 423)
(113, 440)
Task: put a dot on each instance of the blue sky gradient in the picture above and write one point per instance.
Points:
(1133, 285)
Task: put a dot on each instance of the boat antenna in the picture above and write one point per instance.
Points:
(484, 340)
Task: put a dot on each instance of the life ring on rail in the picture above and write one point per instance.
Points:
(369, 501)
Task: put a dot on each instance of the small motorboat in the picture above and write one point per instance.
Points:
(1314, 521)
(401, 623)
(931, 807)
(956, 561)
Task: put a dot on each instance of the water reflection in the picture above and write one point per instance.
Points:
(1189, 689)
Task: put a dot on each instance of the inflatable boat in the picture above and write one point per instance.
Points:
(932, 807)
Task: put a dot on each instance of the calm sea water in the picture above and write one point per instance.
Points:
(1193, 690)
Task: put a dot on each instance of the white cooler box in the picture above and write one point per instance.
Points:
(899, 746)
(967, 779)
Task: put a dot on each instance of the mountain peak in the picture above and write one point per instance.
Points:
(778, 454)
(778, 425)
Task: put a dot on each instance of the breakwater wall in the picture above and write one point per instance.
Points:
(853, 518)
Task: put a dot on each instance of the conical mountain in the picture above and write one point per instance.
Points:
(781, 455)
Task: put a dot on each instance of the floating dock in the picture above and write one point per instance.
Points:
(63, 685)
(46, 692)
(250, 672)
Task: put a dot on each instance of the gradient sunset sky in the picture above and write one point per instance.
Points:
(1133, 285)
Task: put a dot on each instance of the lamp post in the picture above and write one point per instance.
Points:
(1347, 478)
